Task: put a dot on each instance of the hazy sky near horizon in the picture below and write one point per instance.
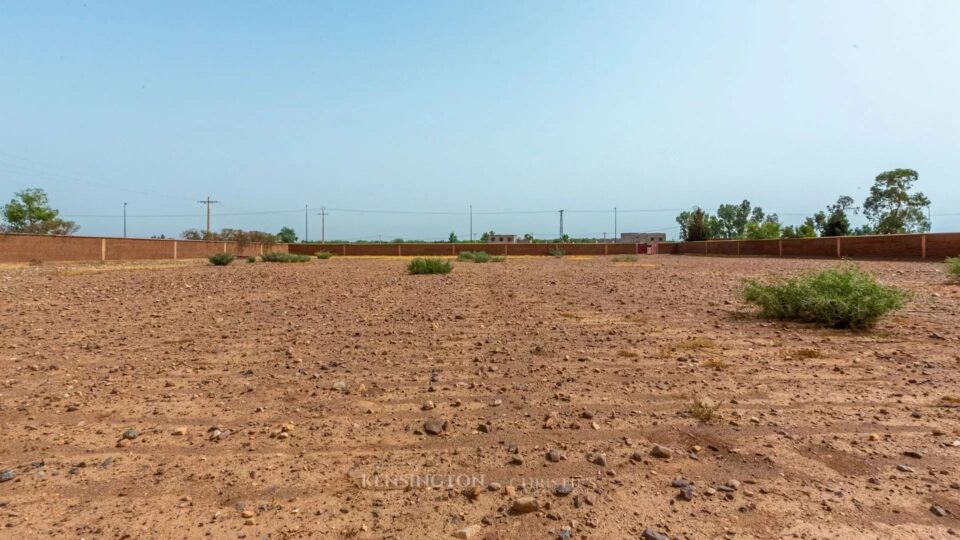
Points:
(650, 107)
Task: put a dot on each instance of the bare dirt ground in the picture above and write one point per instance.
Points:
(344, 399)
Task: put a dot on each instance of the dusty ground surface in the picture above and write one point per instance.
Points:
(586, 357)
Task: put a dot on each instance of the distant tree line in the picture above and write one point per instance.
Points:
(891, 208)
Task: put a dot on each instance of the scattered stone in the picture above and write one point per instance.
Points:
(904, 468)
(687, 493)
(428, 406)
(913, 454)
(661, 452)
(180, 431)
(938, 510)
(434, 427)
(599, 459)
(516, 459)
(650, 534)
(131, 434)
(563, 490)
(467, 532)
(7, 475)
(525, 505)
(340, 385)
(554, 456)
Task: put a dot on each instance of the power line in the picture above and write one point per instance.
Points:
(49, 174)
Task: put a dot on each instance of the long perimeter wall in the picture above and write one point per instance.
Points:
(404, 250)
(936, 246)
(19, 248)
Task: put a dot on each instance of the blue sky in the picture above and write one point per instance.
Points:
(650, 107)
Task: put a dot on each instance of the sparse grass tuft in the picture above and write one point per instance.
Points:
(953, 268)
(623, 353)
(429, 266)
(845, 297)
(695, 343)
(704, 410)
(280, 257)
(718, 364)
(251, 260)
(479, 257)
(625, 258)
(557, 252)
(805, 354)
(465, 256)
(221, 259)
(323, 255)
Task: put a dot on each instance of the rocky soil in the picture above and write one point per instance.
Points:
(538, 398)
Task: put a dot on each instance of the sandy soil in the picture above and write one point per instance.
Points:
(298, 401)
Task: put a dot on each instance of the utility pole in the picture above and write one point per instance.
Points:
(306, 223)
(124, 220)
(561, 225)
(208, 202)
(323, 224)
(615, 224)
(471, 223)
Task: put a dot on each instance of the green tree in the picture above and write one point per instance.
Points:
(834, 222)
(287, 235)
(452, 238)
(695, 227)
(762, 227)
(485, 237)
(807, 229)
(733, 219)
(528, 237)
(30, 212)
(698, 224)
(891, 208)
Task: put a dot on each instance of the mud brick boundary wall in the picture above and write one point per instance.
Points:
(933, 246)
(18, 248)
(439, 250)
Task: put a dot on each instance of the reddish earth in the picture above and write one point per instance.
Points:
(316, 377)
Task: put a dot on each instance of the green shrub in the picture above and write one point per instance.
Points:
(953, 268)
(557, 252)
(221, 259)
(625, 258)
(252, 259)
(429, 266)
(323, 255)
(280, 257)
(844, 297)
(479, 257)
